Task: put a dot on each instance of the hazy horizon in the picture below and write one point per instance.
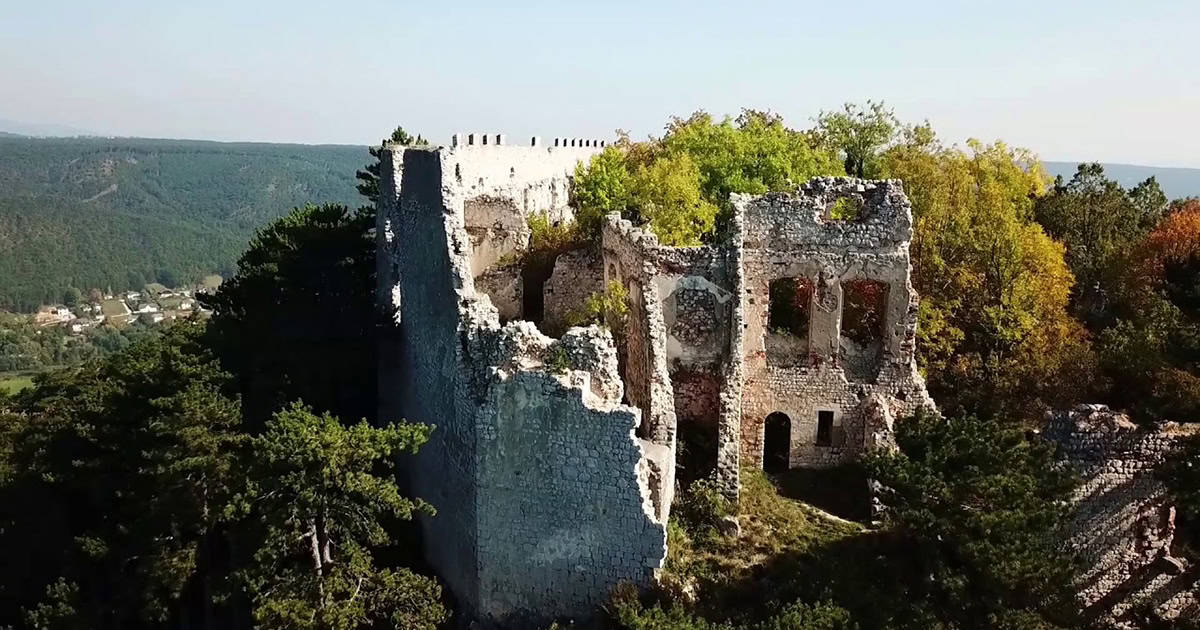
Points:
(1103, 83)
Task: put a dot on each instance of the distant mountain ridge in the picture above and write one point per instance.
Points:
(120, 212)
(1177, 183)
(38, 130)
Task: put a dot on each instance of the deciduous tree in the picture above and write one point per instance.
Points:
(860, 133)
(996, 336)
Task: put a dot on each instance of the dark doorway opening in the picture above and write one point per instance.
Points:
(777, 442)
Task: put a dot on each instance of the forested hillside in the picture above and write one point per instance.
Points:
(117, 213)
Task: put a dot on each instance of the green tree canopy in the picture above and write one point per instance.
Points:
(1097, 220)
(117, 473)
(996, 336)
(859, 133)
(1152, 352)
(297, 320)
(977, 507)
(318, 498)
(680, 184)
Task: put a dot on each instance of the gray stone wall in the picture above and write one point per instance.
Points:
(577, 275)
(1123, 523)
(545, 496)
(505, 288)
(681, 333)
(551, 488)
(420, 368)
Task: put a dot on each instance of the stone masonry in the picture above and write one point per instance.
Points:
(553, 466)
(542, 488)
(1123, 523)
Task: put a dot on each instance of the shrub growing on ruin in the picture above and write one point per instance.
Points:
(557, 360)
(609, 308)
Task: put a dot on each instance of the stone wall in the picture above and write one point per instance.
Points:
(681, 333)
(546, 498)
(505, 288)
(501, 186)
(1123, 523)
(577, 275)
(792, 236)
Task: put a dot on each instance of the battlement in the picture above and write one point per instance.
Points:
(479, 140)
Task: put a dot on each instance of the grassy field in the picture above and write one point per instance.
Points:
(13, 382)
(112, 308)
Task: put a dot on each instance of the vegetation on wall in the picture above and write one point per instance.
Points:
(680, 184)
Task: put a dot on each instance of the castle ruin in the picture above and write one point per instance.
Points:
(1122, 525)
(790, 343)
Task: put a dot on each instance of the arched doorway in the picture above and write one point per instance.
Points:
(777, 442)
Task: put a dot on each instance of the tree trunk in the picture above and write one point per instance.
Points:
(315, 545)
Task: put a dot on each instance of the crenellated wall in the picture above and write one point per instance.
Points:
(501, 186)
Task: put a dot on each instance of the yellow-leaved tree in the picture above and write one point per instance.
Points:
(995, 334)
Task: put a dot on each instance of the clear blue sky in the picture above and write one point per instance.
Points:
(1107, 80)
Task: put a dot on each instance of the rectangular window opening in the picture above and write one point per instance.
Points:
(824, 428)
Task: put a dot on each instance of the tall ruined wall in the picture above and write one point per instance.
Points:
(420, 365)
(1123, 523)
(645, 367)
(542, 488)
(682, 330)
(795, 237)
